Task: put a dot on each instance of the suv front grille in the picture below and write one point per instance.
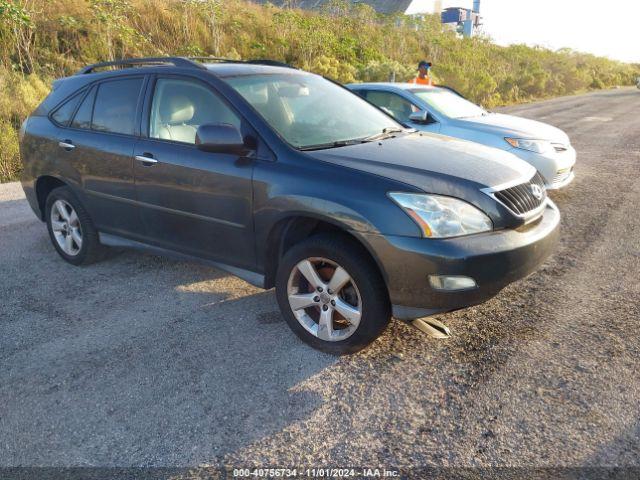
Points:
(525, 198)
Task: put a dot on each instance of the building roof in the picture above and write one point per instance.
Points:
(381, 6)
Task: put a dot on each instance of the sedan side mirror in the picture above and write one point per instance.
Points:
(422, 117)
(221, 138)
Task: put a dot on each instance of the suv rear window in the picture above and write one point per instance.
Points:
(116, 106)
(85, 112)
(63, 113)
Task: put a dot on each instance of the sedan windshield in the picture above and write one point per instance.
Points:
(448, 103)
(310, 112)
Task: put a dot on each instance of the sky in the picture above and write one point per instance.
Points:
(608, 28)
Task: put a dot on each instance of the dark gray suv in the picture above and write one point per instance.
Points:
(284, 179)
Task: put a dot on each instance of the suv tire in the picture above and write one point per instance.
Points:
(341, 320)
(71, 229)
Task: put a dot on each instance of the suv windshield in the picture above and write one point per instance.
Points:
(310, 112)
(448, 103)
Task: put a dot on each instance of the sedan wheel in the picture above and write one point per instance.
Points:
(324, 299)
(66, 228)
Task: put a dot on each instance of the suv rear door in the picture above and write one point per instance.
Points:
(98, 144)
(192, 201)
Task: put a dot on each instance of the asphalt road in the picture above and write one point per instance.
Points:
(143, 361)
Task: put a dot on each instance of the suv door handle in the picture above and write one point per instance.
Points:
(66, 144)
(147, 159)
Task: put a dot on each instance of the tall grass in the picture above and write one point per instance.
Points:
(19, 96)
(42, 40)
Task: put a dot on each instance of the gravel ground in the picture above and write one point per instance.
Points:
(143, 361)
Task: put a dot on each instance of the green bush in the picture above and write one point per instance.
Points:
(9, 152)
(19, 96)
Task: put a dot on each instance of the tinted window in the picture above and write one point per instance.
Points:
(180, 106)
(63, 114)
(116, 106)
(84, 113)
(397, 106)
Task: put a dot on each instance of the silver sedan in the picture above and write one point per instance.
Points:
(441, 110)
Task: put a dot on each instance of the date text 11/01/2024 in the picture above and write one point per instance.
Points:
(314, 473)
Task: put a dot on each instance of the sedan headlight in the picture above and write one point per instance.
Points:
(537, 146)
(442, 217)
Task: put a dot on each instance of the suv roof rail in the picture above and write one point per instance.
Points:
(272, 63)
(131, 62)
(216, 59)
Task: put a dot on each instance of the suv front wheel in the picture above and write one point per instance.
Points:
(71, 229)
(332, 295)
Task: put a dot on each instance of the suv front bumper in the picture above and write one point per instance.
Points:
(493, 260)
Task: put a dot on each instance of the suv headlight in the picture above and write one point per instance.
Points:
(442, 217)
(537, 146)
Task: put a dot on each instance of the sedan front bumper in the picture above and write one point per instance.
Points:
(493, 260)
(556, 167)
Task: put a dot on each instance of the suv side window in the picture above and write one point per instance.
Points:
(83, 116)
(116, 105)
(180, 106)
(63, 113)
(399, 107)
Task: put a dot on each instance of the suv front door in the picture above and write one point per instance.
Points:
(196, 202)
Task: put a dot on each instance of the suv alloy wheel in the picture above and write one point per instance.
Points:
(331, 294)
(71, 229)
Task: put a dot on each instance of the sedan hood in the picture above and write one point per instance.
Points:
(433, 163)
(510, 126)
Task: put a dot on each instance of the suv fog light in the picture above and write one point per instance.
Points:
(451, 282)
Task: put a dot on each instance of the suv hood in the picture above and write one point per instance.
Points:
(433, 163)
(510, 126)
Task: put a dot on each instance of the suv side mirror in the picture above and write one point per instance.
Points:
(422, 117)
(220, 138)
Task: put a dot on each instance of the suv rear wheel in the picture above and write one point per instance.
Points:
(332, 295)
(71, 229)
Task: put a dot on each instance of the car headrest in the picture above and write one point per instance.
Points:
(177, 109)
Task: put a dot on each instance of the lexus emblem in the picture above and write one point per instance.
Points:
(537, 191)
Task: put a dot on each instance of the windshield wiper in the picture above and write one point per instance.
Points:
(324, 146)
(387, 132)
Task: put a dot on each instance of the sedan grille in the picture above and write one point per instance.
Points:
(525, 198)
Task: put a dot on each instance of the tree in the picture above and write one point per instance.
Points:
(113, 16)
(16, 30)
